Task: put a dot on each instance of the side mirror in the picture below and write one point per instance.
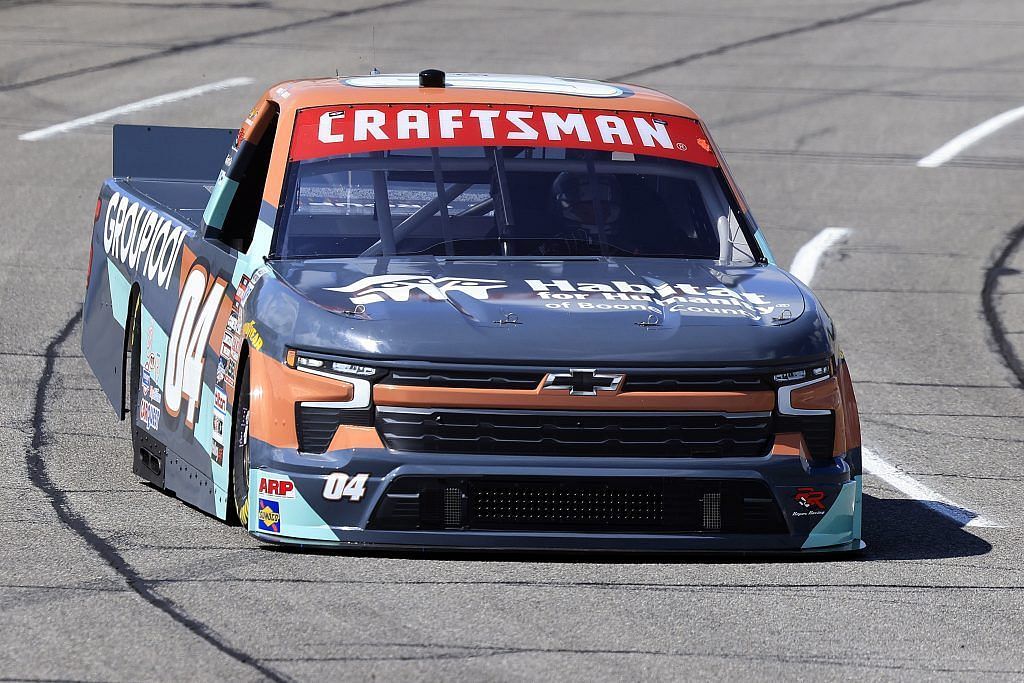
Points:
(724, 241)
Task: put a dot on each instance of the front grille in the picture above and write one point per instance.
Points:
(464, 379)
(818, 431)
(544, 432)
(582, 504)
(692, 382)
(642, 380)
(315, 426)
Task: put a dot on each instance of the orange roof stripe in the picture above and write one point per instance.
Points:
(302, 94)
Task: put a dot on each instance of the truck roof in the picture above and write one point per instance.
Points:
(474, 88)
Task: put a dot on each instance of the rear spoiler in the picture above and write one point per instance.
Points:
(170, 153)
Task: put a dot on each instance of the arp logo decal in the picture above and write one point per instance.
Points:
(276, 488)
(190, 333)
(269, 516)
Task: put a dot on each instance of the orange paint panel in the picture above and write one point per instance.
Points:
(219, 325)
(820, 396)
(188, 258)
(275, 389)
(790, 443)
(847, 415)
(355, 437)
(539, 399)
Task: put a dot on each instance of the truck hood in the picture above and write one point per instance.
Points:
(614, 310)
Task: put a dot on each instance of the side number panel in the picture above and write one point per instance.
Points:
(190, 332)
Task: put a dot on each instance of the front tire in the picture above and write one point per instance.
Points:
(240, 449)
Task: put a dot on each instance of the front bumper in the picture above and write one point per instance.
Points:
(296, 512)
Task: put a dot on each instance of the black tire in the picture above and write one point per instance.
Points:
(239, 453)
(133, 365)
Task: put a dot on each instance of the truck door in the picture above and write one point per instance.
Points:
(205, 340)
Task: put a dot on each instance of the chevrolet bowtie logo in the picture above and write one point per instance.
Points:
(584, 382)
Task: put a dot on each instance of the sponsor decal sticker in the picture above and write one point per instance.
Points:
(328, 131)
(810, 497)
(149, 415)
(812, 501)
(276, 488)
(269, 516)
(142, 239)
(220, 399)
(616, 295)
(250, 332)
(256, 277)
(401, 287)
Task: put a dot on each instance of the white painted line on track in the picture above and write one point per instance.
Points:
(970, 137)
(148, 103)
(805, 264)
(933, 500)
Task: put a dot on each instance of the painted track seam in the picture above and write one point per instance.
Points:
(201, 44)
(768, 37)
(39, 476)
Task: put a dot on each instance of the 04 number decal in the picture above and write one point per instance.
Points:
(193, 321)
(340, 485)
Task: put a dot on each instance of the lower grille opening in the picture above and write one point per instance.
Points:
(549, 432)
(315, 425)
(582, 504)
(818, 431)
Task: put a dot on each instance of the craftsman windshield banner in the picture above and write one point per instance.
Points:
(331, 131)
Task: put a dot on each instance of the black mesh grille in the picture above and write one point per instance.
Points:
(315, 427)
(818, 431)
(576, 433)
(586, 504)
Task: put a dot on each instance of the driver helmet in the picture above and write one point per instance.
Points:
(576, 195)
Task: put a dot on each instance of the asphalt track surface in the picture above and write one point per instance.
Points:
(823, 109)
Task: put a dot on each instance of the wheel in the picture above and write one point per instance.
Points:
(134, 366)
(240, 449)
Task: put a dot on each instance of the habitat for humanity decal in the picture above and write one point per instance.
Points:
(620, 295)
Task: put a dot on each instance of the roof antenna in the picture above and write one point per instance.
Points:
(374, 71)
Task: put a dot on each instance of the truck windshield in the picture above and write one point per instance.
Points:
(543, 202)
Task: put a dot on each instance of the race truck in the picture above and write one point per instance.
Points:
(467, 311)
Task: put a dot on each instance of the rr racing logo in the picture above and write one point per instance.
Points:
(811, 500)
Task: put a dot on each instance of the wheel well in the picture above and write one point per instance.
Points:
(134, 297)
